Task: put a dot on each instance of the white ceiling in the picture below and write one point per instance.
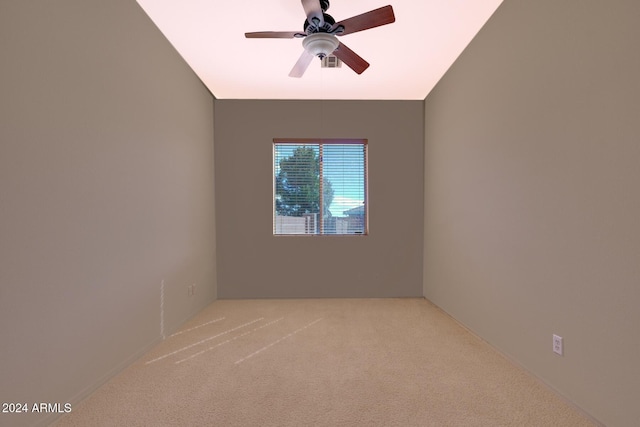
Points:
(407, 57)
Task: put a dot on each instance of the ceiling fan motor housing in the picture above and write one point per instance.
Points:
(320, 44)
(316, 26)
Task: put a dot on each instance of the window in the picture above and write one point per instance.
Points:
(320, 187)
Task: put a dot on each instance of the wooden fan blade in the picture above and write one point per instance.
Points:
(371, 19)
(352, 59)
(313, 10)
(274, 35)
(302, 64)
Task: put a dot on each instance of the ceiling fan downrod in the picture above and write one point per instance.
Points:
(315, 25)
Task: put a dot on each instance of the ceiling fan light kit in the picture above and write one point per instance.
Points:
(320, 31)
(320, 44)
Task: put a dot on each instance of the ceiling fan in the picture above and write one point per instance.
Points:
(320, 31)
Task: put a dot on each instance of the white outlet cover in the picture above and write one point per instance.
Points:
(558, 345)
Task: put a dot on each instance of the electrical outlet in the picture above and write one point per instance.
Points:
(191, 290)
(558, 346)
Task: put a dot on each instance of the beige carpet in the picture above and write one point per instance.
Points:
(343, 362)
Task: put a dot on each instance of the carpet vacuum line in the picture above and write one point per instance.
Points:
(203, 341)
(277, 341)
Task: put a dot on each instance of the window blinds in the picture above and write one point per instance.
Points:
(320, 187)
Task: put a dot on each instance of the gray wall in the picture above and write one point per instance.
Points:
(532, 202)
(252, 263)
(106, 189)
